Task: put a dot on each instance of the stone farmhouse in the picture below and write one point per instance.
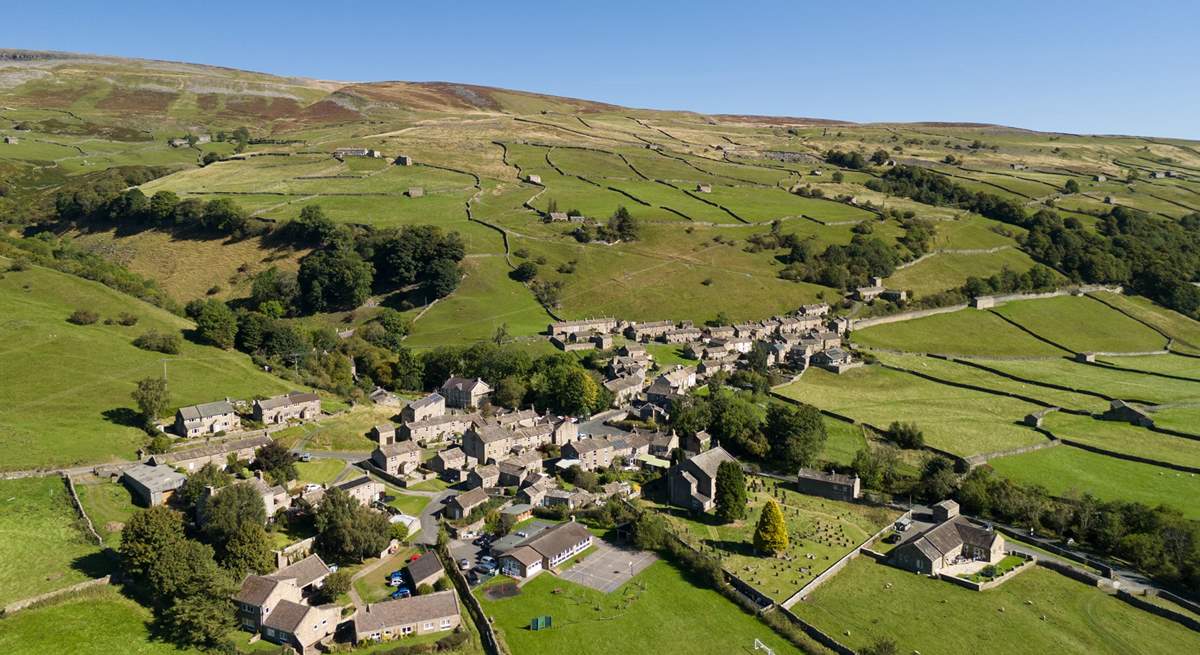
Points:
(403, 160)
(484, 476)
(692, 483)
(624, 389)
(364, 490)
(835, 360)
(433, 430)
(153, 485)
(384, 433)
(953, 540)
(460, 506)
(681, 335)
(11, 140)
(592, 453)
(207, 418)
(492, 442)
(451, 460)
(397, 459)
(828, 485)
(297, 405)
(275, 605)
(516, 469)
(301, 626)
(696, 443)
(356, 152)
(533, 179)
(464, 393)
(820, 309)
(274, 497)
(415, 616)
(545, 550)
(587, 340)
(431, 406)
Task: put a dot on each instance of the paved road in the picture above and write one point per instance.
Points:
(429, 516)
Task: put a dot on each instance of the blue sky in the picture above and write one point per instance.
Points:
(1095, 67)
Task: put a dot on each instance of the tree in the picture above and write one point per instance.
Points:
(906, 435)
(441, 279)
(248, 551)
(314, 227)
(347, 531)
(510, 392)
(731, 492)
(215, 322)
(524, 272)
(332, 280)
(152, 399)
(1071, 186)
(796, 435)
(770, 536)
(185, 568)
(335, 585)
(277, 461)
(938, 479)
(881, 646)
(622, 225)
(229, 509)
(223, 215)
(203, 619)
(147, 535)
(162, 207)
(193, 489)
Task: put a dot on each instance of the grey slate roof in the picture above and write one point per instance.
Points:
(305, 572)
(425, 566)
(406, 611)
(256, 589)
(206, 410)
(286, 616)
(431, 399)
(156, 478)
(292, 398)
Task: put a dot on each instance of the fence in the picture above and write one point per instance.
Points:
(19, 605)
(1159, 610)
(816, 633)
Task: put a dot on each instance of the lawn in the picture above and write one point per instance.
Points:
(1082, 324)
(1038, 611)
(109, 505)
(1124, 438)
(42, 545)
(373, 587)
(960, 421)
(668, 354)
(320, 471)
(96, 622)
(1066, 471)
(843, 441)
(433, 484)
(1008, 563)
(965, 332)
(820, 532)
(407, 503)
(1113, 382)
(656, 612)
(77, 408)
(347, 431)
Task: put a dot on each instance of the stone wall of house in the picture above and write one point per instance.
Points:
(19, 605)
(294, 552)
(990, 584)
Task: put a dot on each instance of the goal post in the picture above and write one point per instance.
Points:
(759, 645)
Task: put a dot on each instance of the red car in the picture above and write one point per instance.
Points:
(415, 557)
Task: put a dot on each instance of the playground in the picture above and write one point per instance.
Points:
(608, 567)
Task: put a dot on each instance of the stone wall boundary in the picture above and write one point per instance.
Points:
(1158, 610)
(79, 508)
(25, 603)
(990, 584)
(816, 633)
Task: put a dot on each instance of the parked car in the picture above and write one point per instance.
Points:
(464, 564)
(414, 557)
(489, 560)
(402, 592)
(306, 457)
(482, 568)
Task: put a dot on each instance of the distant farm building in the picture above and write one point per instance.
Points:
(828, 485)
(281, 409)
(415, 192)
(533, 179)
(404, 160)
(341, 153)
(11, 140)
(953, 540)
(1099, 178)
(207, 418)
(704, 188)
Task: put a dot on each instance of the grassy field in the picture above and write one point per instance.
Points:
(373, 587)
(960, 421)
(820, 532)
(1124, 438)
(109, 505)
(320, 471)
(950, 270)
(843, 441)
(1184, 330)
(655, 612)
(961, 373)
(77, 408)
(1066, 471)
(1114, 382)
(965, 332)
(42, 548)
(1184, 418)
(96, 622)
(1038, 611)
(1082, 324)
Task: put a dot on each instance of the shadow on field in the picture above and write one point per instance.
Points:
(123, 416)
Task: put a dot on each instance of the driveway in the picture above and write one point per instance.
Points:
(429, 516)
(608, 567)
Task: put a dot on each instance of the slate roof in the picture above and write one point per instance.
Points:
(156, 478)
(425, 566)
(709, 460)
(292, 398)
(466, 384)
(525, 555)
(305, 572)
(469, 499)
(431, 399)
(214, 449)
(256, 589)
(557, 539)
(287, 616)
(206, 410)
(399, 448)
(406, 611)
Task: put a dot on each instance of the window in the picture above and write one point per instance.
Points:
(428, 625)
(445, 623)
(406, 630)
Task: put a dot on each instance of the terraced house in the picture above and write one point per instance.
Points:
(297, 405)
(418, 615)
(207, 418)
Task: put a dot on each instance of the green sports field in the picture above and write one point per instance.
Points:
(658, 611)
(1038, 611)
